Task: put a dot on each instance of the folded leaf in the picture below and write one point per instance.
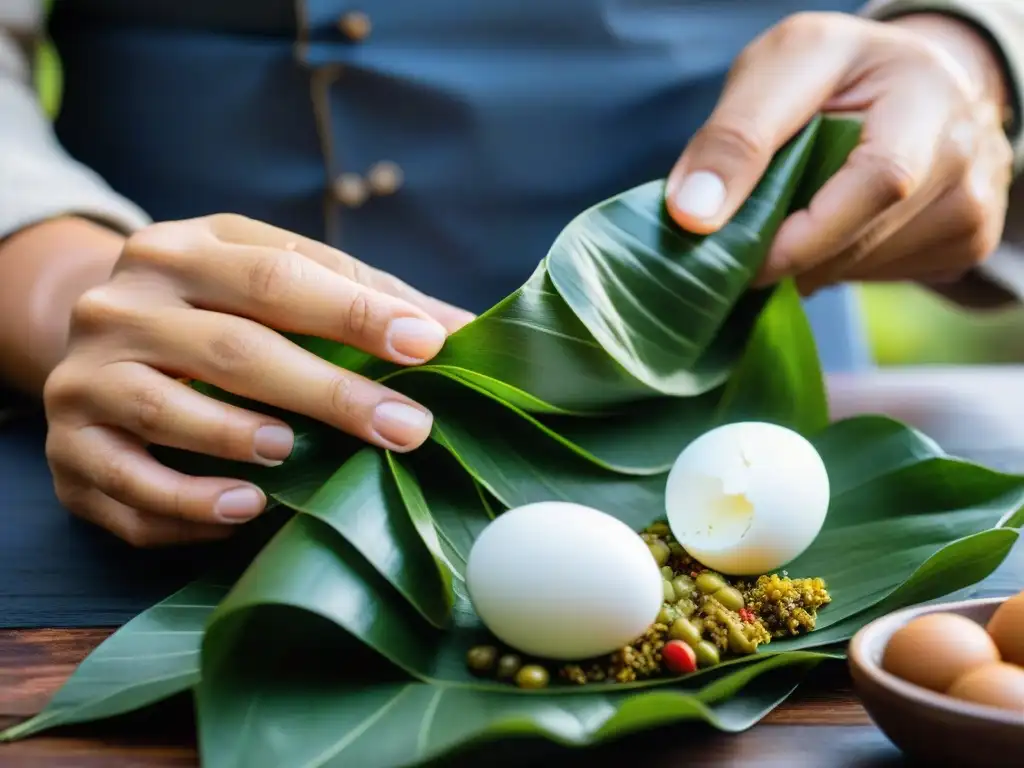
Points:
(628, 306)
(456, 513)
(654, 296)
(867, 551)
(363, 503)
(312, 718)
(344, 641)
(923, 553)
(793, 395)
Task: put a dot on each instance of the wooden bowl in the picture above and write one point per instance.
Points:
(927, 725)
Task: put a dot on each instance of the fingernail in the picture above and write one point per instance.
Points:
(239, 504)
(415, 339)
(273, 443)
(701, 195)
(401, 424)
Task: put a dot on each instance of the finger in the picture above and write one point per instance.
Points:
(936, 216)
(776, 87)
(956, 232)
(914, 247)
(921, 270)
(933, 261)
(287, 291)
(252, 361)
(900, 142)
(451, 317)
(163, 411)
(948, 236)
(134, 527)
(941, 280)
(115, 464)
(244, 231)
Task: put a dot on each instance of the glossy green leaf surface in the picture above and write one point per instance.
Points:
(654, 296)
(151, 658)
(908, 545)
(627, 306)
(363, 503)
(344, 640)
(781, 342)
(401, 723)
(934, 548)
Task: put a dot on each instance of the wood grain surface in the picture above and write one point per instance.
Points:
(976, 413)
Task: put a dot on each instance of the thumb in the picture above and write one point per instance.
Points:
(772, 92)
(716, 173)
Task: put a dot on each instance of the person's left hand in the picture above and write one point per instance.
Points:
(923, 197)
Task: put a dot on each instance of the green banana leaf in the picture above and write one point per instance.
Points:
(343, 641)
(151, 658)
(401, 723)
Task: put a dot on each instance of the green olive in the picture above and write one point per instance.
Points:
(685, 630)
(707, 654)
(532, 676)
(730, 597)
(481, 658)
(676, 549)
(659, 551)
(667, 615)
(509, 665)
(738, 642)
(670, 594)
(686, 607)
(666, 573)
(658, 529)
(683, 585)
(709, 582)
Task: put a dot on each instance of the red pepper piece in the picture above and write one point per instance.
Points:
(679, 658)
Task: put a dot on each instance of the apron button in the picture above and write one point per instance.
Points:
(350, 190)
(385, 178)
(355, 25)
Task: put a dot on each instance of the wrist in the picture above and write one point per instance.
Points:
(973, 51)
(44, 269)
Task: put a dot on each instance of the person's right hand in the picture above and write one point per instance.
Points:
(198, 299)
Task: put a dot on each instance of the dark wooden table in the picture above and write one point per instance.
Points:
(973, 412)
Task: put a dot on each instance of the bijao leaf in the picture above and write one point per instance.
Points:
(151, 658)
(344, 640)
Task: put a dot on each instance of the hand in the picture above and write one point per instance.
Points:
(923, 197)
(198, 299)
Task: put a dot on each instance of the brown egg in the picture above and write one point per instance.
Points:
(935, 649)
(997, 685)
(1007, 628)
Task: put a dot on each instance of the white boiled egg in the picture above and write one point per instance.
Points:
(563, 581)
(747, 498)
